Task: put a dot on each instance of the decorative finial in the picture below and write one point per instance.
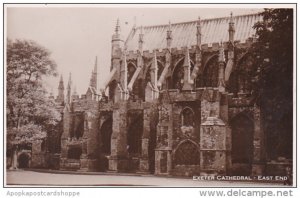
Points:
(118, 28)
(231, 18)
(221, 53)
(199, 21)
(170, 26)
(96, 64)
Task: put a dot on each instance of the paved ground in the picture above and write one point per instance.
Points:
(26, 177)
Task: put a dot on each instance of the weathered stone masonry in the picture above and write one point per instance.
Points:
(178, 105)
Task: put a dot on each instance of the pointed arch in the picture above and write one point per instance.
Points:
(209, 77)
(187, 116)
(147, 76)
(240, 78)
(131, 67)
(178, 73)
(187, 153)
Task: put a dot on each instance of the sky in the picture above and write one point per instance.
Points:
(76, 35)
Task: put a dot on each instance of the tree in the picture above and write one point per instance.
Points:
(273, 84)
(30, 113)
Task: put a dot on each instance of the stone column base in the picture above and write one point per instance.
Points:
(89, 165)
(144, 166)
(257, 169)
(118, 164)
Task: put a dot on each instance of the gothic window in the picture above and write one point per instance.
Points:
(187, 117)
(187, 154)
(178, 75)
(240, 78)
(130, 71)
(210, 74)
(148, 75)
(137, 90)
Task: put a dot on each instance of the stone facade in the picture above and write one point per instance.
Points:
(177, 110)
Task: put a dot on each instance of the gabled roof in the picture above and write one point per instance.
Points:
(184, 34)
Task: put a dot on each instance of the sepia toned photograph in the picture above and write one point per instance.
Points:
(142, 95)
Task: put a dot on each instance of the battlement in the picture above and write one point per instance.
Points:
(211, 47)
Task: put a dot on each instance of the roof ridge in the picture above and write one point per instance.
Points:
(194, 21)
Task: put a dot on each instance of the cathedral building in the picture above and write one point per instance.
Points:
(177, 101)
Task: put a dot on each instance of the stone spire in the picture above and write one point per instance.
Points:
(68, 99)
(230, 47)
(198, 57)
(231, 29)
(169, 36)
(118, 27)
(187, 71)
(221, 75)
(93, 80)
(75, 95)
(116, 46)
(61, 91)
(199, 34)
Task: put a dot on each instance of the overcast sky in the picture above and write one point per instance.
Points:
(76, 35)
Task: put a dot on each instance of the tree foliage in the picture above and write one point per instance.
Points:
(30, 113)
(273, 51)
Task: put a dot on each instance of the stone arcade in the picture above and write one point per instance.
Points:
(178, 103)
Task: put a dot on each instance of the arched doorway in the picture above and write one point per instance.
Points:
(23, 160)
(105, 142)
(242, 144)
